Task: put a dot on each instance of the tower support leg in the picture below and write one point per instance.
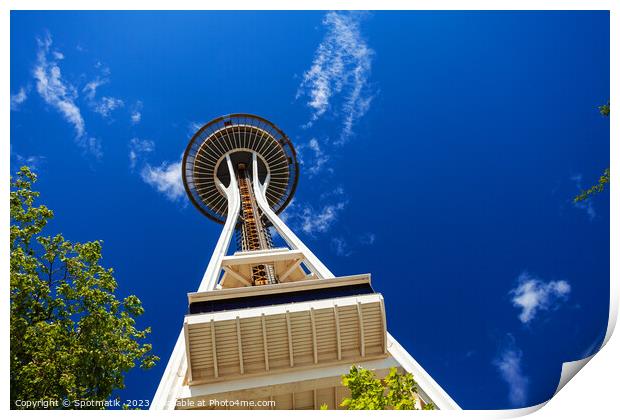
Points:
(312, 262)
(210, 278)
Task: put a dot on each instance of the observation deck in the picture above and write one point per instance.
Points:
(239, 136)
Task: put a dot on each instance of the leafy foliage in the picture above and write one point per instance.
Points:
(71, 338)
(604, 109)
(604, 179)
(595, 189)
(396, 391)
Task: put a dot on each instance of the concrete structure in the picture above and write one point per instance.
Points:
(270, 327)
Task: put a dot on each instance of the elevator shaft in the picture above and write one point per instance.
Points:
(254, 234)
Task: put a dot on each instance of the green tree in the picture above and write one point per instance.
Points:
(396, 391)
(71, 338)
(604, 109)
(604, 179)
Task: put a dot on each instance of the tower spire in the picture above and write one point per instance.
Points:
(270, 327)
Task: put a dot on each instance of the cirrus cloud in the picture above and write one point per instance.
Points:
(312, 220)
(55, 91)
(60, 94)
(340, 69)
(18, 98)
(509, 364)
(138, 148)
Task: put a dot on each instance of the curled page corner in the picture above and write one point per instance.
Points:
(520, 412)
(569, 370)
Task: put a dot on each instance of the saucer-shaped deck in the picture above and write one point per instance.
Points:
(238, 135)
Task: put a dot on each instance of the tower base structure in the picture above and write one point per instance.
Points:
(284, 345)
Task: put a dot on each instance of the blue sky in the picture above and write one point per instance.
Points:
(440, 152)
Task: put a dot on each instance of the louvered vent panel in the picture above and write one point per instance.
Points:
(358, 325)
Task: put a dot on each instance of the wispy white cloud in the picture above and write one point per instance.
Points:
(193, 127)
(136, 112)
(314, 162)
(341, 246)
(103, 69)
(585, 205)
(90, 89)
(321, 221)
(367, 238)
(588, 207)
(92, 145)
(19, 98)
(33, 162)
(533, 295)
(165, 178)
(312, 220)
(340, 70)
(63, 96)
(334, 193)
(106, 105)
(137, 149)
(509, 365)
(54, 90)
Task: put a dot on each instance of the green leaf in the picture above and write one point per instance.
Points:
(397, 391)
(71, 336)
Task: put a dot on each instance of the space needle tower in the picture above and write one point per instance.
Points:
(270, 327)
